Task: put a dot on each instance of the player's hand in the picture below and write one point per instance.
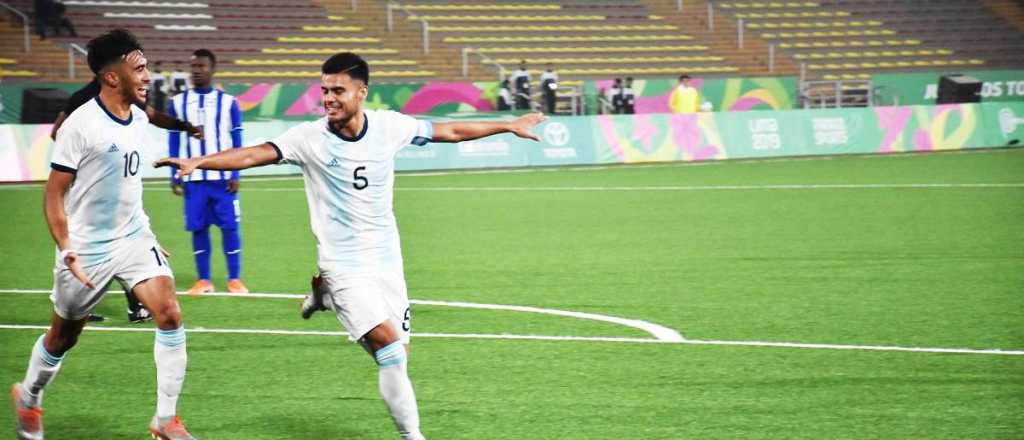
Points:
(194, 131)
(233, 186)
(523, 125)
(177, 189)
(185, 166)
(71, 261)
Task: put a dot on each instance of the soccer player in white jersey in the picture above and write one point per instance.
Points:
(348, 164)
(93, 207)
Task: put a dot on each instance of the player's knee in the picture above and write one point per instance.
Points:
(57, 343)
(167, 314)
(391, 355)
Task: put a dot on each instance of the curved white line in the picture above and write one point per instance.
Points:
(660, 333)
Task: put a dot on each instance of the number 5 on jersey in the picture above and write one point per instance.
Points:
(361, 182)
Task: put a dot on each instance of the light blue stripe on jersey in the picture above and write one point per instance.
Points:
(393, 354)
(171, 338)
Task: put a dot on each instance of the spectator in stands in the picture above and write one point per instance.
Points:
(521, 83)
(684, 99)
(549, 87)
(50, 14)
(504, 97)
(628, 97)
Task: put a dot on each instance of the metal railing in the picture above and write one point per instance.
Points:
(24, 22)
(467, 51)
(391, 6)
(836, 94)
(72, 48)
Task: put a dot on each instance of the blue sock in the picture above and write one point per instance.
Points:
(232, 242)
(201, 247)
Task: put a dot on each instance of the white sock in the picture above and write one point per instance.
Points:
(171, 358)
(42, 368)
(396, 389)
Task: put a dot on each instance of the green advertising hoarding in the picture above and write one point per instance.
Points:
(923, 88)
(580, 140)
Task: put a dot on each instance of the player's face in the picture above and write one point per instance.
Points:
(343, 96)
(133, 78)
(202, 71)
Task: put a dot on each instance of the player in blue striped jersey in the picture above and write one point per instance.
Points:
(347, 160)
(210, 196)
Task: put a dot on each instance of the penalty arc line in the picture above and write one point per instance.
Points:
(668, 340)
(660, 333)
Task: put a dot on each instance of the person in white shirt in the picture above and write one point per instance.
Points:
(348, 165)
(93, 207)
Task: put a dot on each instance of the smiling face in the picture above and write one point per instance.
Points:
(130, 77)
(343, 97)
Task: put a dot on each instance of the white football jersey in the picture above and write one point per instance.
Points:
(350, 187)
(104, 203)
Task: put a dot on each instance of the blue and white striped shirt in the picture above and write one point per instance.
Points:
(217, 112)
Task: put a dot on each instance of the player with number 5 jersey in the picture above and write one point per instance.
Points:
(347, 160)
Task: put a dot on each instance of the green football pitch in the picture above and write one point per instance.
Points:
(813, 299)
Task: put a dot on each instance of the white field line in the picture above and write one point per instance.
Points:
(662, 188)
(686, 187)
(660, 333)
(584, 168)
(759, 344)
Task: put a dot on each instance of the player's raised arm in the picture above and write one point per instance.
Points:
(227, 160)
(57, 220)
(469, 130)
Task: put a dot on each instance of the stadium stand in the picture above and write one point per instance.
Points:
(852, 39)
(583, 38)
(263, 39)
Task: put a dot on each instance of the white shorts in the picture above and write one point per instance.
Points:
(131, 262)
(364, 301)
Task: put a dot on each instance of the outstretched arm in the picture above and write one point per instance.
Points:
(227, 160)
(168, 122)
(467, 131)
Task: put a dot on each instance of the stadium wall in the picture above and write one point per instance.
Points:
(301, 101)
(608, 139)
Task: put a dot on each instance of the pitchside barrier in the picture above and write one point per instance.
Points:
(609, 139)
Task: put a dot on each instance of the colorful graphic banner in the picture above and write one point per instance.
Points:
(301, 101)
(729, 94)
(923, 88)
(568, 140)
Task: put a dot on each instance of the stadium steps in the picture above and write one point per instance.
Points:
(46, 62)
(751, 60)
(932, 35)
(1012, 11)
(269, 34)
(444, 61)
